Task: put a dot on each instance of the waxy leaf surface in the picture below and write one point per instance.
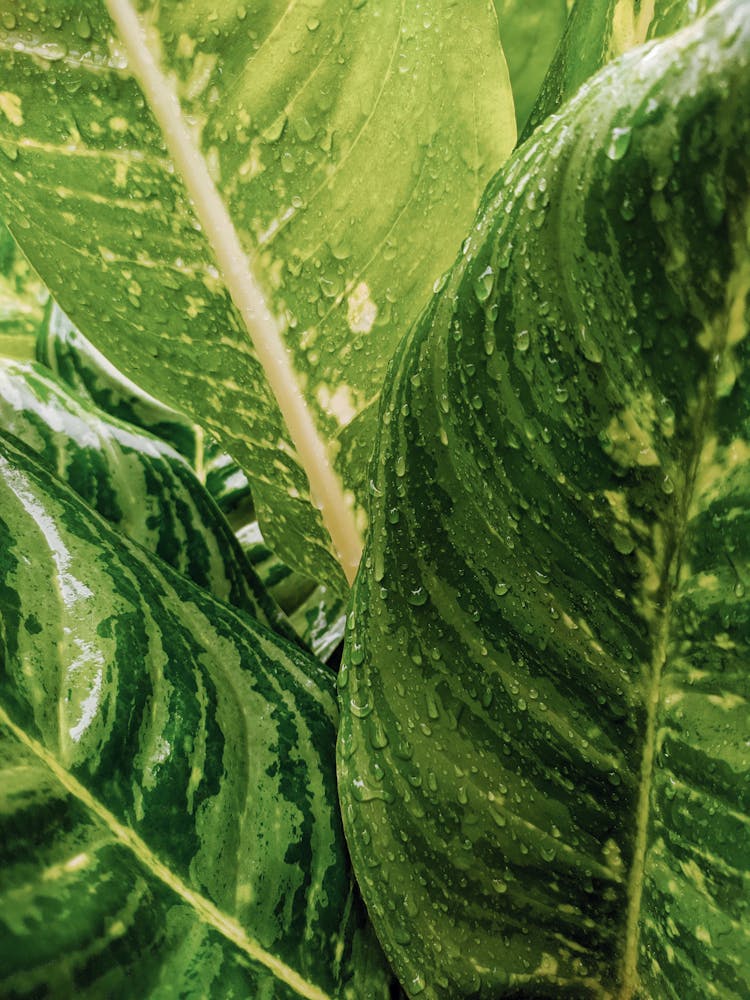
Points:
(22, 300)
(135, 481)
(543, 753)
(169, 824)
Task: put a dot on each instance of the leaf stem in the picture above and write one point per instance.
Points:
(263, 327)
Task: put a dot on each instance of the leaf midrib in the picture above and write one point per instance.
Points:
(207, 911)
(721, 342)
(262, 325)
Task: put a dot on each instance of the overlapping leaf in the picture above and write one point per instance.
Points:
(138, 483)
(316, 612)
(601, 30)
(350, 143)
(530, 31)
(543, 750)
(169, 820)
(75, 361)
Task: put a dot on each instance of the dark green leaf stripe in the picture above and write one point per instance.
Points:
(543, 753)
(138, 483)
(75, 360)
(317, 614)
(169, 820)
(598, 31)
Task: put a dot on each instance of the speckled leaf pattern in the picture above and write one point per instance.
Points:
(530, 31)
(351, 143)
(138, 483)
(543, 754)
(169, 816)
(22, 300)
(601, 30)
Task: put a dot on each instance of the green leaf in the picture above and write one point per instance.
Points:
(317, 614)
(138, 483)
(543, 752)
(84, 369)
(169, 818)
(349, 145)
(599, 31)
(530, 31)
(22, 300)
(75, 360)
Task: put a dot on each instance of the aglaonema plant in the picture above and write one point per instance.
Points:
(535, 783)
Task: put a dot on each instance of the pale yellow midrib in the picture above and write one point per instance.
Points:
(205, 909)
(263, 328)
(725, 337)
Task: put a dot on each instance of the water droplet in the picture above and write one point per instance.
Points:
(378, 736)
(362, 707)
(589, 347)
(313, 23)
(417, 596)
(416, 984)
(667, 485)
(619, 141)
(52, 51)
(501, 589)
(499, 886)
(275, 130)
(522, 340)
(83, 26)
(363, 792)
(739, 589)
(483, 285)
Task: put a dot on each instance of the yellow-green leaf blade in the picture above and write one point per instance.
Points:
(347, 217)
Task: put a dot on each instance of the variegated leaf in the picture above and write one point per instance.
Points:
(544, 757)
(169, 813)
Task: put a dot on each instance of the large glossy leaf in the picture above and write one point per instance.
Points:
(138, 483)
(349, 143)
(22, 300)
(169, 819)
(544, 758)
(601, 30)
(530, 31)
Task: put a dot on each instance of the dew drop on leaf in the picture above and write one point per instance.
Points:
(619, 141)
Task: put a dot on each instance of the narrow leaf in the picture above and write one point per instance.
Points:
(530, 31)
(543, 751)
(601, 30)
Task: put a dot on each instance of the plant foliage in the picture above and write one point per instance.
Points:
(274, 346)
